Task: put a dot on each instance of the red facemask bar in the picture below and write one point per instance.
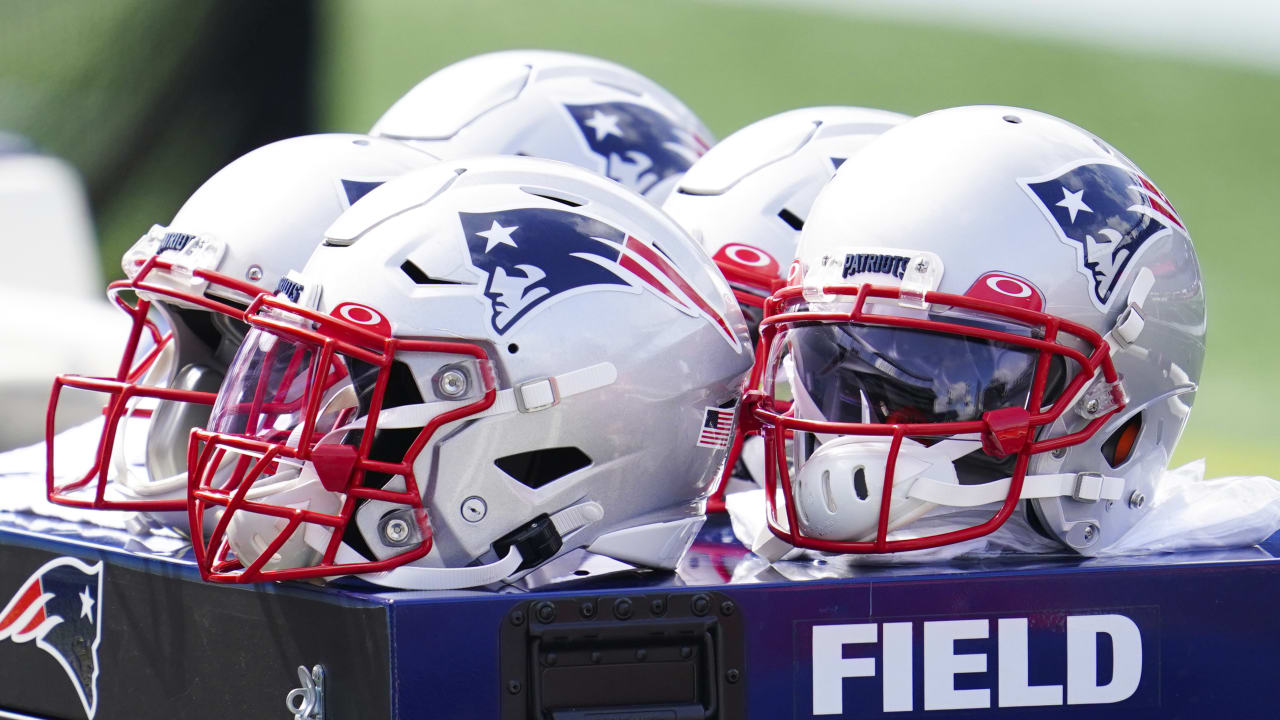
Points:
(225, 468)
(129, 388)
(1008, 432)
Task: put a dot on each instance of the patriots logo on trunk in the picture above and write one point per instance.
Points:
(534, 256)
(60, 608)
(1107, 212)
(641, 147)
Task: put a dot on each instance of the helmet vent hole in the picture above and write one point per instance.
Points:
(556, 197)
(416, 274)
(792, 219)
(513, 348)
(1119, 447)
(860, 483)
(828, 498)
(1012, 119)
(537, 468)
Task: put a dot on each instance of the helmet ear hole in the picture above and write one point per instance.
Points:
(1117, 448)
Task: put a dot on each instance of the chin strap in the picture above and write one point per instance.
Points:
(425, 578)
(1084, 487)
(525, 397)
(412, 577)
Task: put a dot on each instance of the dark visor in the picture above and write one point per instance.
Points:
(902, 375)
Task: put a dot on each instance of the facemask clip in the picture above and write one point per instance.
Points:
(1005, 431)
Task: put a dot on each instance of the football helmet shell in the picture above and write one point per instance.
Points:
(562, 106)
(992, 305)
(746, 200)
(530, 360)
(189, 283)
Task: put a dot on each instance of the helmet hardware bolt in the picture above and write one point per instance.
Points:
(922, 265)
(657, 606)
(727, 608)
(587, 609)
(513, 687)
(254, 273)
(1091, 407)
(474, 509)
(701, 605)
(622, 609)
(1137, 499)
(1090, 532)
(517, 618)
(451, 383)
(546, 612)
(1059, 453)
(396, 530)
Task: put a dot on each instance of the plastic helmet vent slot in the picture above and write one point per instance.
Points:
(792, 219)
(546, 195)
(416, 274)
(860, 483)
(537, 468)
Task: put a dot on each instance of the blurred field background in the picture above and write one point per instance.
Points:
(149, 97)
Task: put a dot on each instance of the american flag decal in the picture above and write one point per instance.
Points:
(717, 428)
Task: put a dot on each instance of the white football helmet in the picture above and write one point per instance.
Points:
(563, 106)
(234, 238)
(746, 200)
(487, 364)
(992, 305)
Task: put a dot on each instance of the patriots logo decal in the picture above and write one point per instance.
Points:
(533, 256)
(1106, 212)
(353, 190)
(641, 147)
(60, 608)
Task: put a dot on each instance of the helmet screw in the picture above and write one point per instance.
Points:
(474, 509)
(1090, 532)
(1091, 407)
(1059, 453)
(396, 530)
(1137, 499)
(922, 265)
(451, 383)
(254, 273)
(587, 609)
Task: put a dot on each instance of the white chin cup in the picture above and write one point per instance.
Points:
(838, 490)
(249, 533)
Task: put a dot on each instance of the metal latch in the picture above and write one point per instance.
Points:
(671, 655)
(307, 702)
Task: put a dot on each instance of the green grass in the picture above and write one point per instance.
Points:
(1203, 132)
